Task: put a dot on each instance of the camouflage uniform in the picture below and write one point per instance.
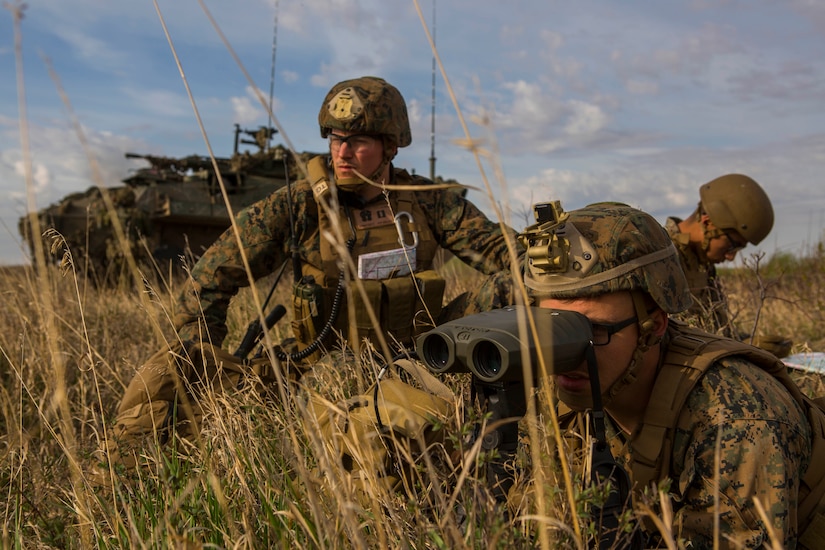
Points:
(709, 309)
(706, 388)
(765, 444)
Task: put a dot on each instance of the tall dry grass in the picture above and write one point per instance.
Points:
(259, 476)
(783, 294)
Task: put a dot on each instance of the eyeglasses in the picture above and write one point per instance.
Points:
(734, 246)
(603, 332)
(356, 142)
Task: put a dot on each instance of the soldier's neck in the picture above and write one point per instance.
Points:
(369, 193)
(628, 407)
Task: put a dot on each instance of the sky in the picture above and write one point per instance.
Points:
(634, 101)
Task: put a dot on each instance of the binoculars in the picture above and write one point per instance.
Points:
(496, 345)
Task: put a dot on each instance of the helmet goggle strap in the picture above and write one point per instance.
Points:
(646, 340)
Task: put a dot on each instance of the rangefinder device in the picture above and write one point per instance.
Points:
(492, 347)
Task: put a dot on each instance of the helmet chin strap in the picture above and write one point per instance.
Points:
(646, 340)
(707, 236)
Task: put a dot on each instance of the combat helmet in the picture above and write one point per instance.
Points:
(602, 248)
(599, 249)
(737, 202)
(366, 105)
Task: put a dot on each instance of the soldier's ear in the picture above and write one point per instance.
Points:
(659, 318)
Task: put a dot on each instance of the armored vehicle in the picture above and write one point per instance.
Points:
(171, 209)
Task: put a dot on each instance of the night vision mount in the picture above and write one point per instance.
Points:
(555, 246)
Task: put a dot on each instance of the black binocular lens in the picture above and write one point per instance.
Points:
(487, 359)
(436, 351)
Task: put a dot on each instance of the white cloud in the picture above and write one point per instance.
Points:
(40, 177)
(93, 50)
(535, 121)
(530, 108)
(159, 103)
(245, 110)
(585, 120)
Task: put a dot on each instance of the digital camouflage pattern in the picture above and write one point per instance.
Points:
(765, 444)
(457, 225)
(366, 105)
(765, 448)
(633, 252)
(709, 308)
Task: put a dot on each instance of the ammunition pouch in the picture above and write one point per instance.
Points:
(318, 177)
(405, 307)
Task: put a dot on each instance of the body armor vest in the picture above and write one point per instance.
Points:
(393, 250)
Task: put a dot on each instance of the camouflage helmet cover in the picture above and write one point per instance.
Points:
(611, 247)
(366, 105)
(737, 202)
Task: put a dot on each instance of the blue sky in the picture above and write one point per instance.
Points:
(634, 101)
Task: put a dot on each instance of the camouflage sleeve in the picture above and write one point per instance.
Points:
(764, 443)
(219, 274)
(464, 230)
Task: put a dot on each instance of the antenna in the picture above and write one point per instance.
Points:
(272, 73)
(432, 114)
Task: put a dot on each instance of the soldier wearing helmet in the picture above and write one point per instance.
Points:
(363, 235)
(364, 108)
(733, 211)
(681, 404)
